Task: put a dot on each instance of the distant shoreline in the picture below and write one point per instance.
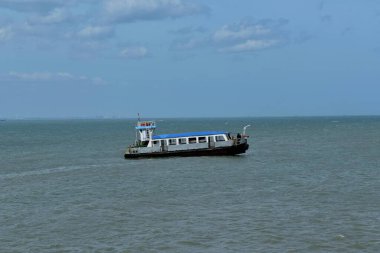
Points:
(185, 118)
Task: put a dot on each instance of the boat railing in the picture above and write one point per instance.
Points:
(239, 139)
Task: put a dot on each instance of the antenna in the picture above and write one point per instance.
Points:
(245, 128)
(138, 116)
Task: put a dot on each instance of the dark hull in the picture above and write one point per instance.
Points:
(223, 151)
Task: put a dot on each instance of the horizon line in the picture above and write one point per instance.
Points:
(186, 117)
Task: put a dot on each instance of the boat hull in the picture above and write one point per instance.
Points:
(221, 151)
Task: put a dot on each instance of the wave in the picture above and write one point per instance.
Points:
(48, 171)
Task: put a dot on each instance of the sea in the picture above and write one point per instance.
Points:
(306, 184)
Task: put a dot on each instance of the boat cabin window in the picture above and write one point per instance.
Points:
(201, 139)
(172, 141)
(182, 141)
(155, 143)
(219, 138)
(144, 143)
(193, 140)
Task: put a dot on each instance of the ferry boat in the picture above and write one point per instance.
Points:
(208, 143)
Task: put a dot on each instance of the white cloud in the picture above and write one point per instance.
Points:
(134, 52)
(36, 76)
(188, 43)
(132, 10)
(241, 31)
(5, 33)
(49, 77)
(244, 36)
(55, 16)
(96, 32)
(189, 30)
(250, 45)
(32, 5)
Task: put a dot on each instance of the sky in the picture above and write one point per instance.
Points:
(189, 58)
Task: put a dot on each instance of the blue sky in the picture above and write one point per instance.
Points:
(178, 58)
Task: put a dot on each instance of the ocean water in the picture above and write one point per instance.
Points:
(305, 185)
